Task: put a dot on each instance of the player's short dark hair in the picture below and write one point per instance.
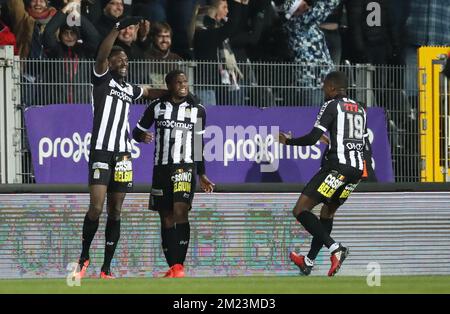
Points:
(172, 75)
(115, 50)
(338, 79)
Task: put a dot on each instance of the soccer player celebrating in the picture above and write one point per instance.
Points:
(110, 167)
(179, 126)
(341, 171)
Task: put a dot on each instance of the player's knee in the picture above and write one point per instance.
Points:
(167, 220)
(181, 213)
(114, 215)
(95, 210)
(298, 210)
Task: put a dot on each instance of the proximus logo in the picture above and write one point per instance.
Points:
(75, 148)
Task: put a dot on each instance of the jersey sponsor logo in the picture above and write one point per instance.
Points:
(174, 124)
(123, 171)
(121, 95)
(331, 183)
(355, 146)
(184, 176)
(348, 190)
(182, 187)
(350, 107)
(74, 147)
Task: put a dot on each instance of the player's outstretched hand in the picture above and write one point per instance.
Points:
(206, 184)
(147, 137)
(127, 21)
(282, 137)
(324, 139)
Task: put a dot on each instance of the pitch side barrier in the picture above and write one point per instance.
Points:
(240, 230)
(231, 188)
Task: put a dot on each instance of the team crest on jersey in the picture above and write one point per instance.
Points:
(96, 175)
(187, 112)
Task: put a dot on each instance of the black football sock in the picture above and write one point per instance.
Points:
(168, 241)
(310, 222)
(89, 229)
(112, 235)
(316, 244)
(183, 233)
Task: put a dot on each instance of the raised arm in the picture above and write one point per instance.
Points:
(101, 62)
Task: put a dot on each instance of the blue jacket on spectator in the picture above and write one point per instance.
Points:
(308, 44)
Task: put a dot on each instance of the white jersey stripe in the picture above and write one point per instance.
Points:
(104, 122)
(194, 113)
(360, 160)
(340, 135)
(124, 142)
(113, 134)
(168, 112)
(188, 151)
(166, 146)
(181, 112)
(177, 146)
(157, 111)
(158, 146)
(353, 158)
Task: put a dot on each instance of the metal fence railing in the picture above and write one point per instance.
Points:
(43, 82)
(444, 137)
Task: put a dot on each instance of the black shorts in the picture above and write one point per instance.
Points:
(172, 184)
(114, 170)
(333, 184)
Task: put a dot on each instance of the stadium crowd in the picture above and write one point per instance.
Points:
(246, 29)
(235, 34)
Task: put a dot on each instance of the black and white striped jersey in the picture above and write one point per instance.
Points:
(111, 104)
(179, 130)
(346, 122)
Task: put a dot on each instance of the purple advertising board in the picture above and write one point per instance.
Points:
(239, 144)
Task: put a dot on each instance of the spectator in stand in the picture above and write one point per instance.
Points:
(160, 43)
(71, 46)
(179, 16)
(28, 23)
(158, 48)
(128, 40)
(331, 29)
(92, 9)
(7, 38)
(371, 43)
(307, 41)
(251, 25)
(112, 12)
(211, 43)
(427, 25)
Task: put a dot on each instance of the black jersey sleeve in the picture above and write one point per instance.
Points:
(100, 78)
(326, 115)
(138, 91)
(145, 122)
(198, 138)
(309, 139)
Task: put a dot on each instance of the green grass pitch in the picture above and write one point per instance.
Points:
(234, 285)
